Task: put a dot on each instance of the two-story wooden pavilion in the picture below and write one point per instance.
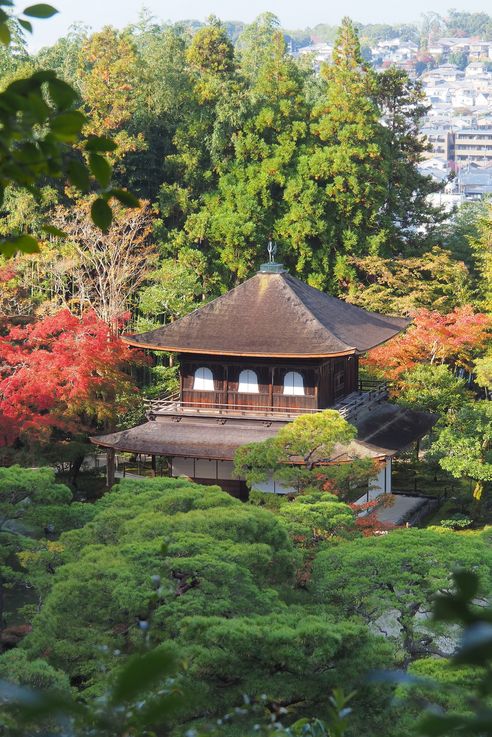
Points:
(252, 360)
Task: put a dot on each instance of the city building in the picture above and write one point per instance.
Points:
(472, 146)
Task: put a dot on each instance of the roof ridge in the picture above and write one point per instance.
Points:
(308, 309)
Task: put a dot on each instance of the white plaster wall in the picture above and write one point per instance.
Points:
(224, 470)
(273, 487)
(377, 485)
(182, 467)
(205, 469)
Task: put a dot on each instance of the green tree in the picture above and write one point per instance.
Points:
(464, 446)
(404, 570)
(400, 286)
(483, 369)
(482, 249)
(342, 172)
(432, 388)
(221, 589)
(461, 230)
(31, 504)
(202, 141)
(298, 455)
(163, 101)
(176, 288)
(106, 75)
(64, 55)
(315, 515)
(242, 214)
(406, 211)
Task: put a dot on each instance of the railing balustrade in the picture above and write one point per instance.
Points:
(370, 393)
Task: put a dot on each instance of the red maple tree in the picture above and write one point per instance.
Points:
(455, 339)
(62, 372)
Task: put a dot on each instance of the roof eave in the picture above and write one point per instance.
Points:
(210, 352)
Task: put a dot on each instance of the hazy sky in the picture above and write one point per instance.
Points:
(292, 13)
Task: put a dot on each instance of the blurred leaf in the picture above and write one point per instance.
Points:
(100, 168)
(143, 672)
(23, 243)
(4, 34)
(78, 175)
(61, 92)
(101, 213)
(25, 24)
(466, 584)
(126, 198)
(41, 10)
(476, 645)
(68, 125)
(99, 143)
(51, 230)
(450, 609)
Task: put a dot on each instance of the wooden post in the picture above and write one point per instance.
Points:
(110, 458)
(154, 465)
(225, 386)
(270, 388)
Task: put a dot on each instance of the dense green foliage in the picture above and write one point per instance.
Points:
(32, 506)
(243, 143)
(215, 576)
(247, 609)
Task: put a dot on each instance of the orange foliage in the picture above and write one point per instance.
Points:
(454, 338)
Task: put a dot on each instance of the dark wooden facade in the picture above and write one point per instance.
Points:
(326, 381)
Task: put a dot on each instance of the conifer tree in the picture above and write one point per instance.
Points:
(234, 221)
(343, 172)
(407, 216)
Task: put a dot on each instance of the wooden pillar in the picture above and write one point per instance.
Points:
(270, 388)
(154, 465)
(226, 386)
(110, 458)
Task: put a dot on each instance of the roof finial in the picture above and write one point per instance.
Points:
(271, 267)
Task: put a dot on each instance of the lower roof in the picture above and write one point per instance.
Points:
(383, 431)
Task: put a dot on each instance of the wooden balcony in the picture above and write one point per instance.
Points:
(262, 405)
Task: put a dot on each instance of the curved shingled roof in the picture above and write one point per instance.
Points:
(274, 315)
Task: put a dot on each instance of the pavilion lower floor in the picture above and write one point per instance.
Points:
(202, 447)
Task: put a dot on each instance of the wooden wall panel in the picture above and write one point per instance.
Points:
(326, 381)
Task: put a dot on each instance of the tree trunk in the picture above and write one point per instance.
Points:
(76, 466)
(110, 457)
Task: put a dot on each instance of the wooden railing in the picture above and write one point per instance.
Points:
(369, 395)
(169, 405)
(362, 400)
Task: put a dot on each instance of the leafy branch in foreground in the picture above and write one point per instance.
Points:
(465, 679)
(142, 696)
(41, 137)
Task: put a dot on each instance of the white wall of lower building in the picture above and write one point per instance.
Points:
(182, 467)
(273, 487)
(381, 484)
(202, 468)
